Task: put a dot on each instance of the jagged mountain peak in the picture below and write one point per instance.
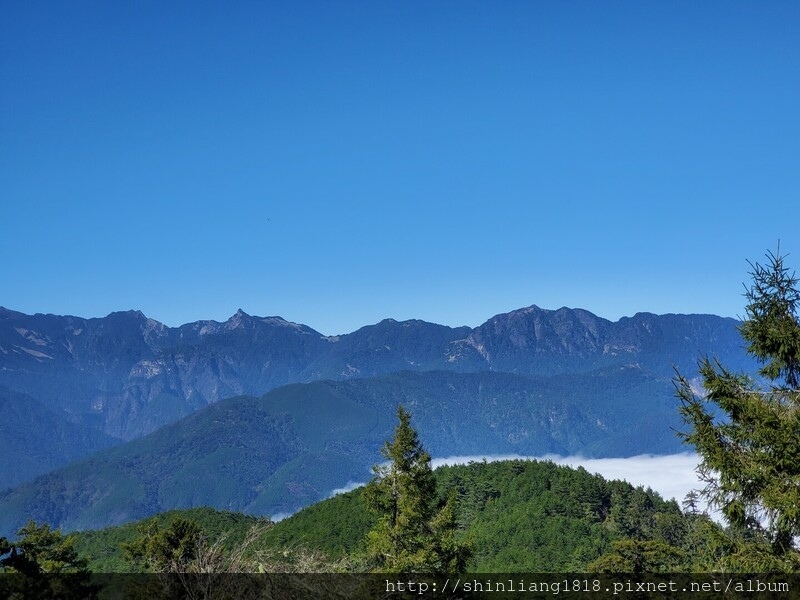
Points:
(239, 319)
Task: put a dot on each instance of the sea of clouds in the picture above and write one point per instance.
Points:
(672, 475)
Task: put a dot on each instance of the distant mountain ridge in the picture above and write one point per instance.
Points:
(126, 375)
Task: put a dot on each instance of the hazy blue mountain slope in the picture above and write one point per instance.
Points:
(37, 439)
(295, 444)
(216, 456)
(128, 375)
(387, 347)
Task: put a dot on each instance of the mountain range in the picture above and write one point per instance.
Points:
(264, 415)
(127, 375)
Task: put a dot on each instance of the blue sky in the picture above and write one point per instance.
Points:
(337, 163)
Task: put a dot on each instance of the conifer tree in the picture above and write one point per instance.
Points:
(639, 556)
(414, 533)
(40, 549)
(172, 549)
(43, 563)
(747, 431)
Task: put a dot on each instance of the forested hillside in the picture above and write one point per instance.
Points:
(517, 516)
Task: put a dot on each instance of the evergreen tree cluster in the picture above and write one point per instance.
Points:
(747, 430)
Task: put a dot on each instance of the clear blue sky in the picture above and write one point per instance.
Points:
(336, 163)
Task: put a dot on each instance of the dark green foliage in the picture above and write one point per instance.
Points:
(413, 534)
(751, 456)
(706, 545)
(771, 327)
(40, 549)
(104, 548)
(336, 527)
(188, 565)
(473, 493)
(200, 541)
(639, 556)
(691, 503)
(543, 517)
(170, 549)
(43, 563)
(525, 516)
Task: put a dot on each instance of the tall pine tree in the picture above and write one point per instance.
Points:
(414, 533)
(747, 431)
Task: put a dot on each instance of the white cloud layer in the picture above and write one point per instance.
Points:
(672, 475)
(348, 487)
